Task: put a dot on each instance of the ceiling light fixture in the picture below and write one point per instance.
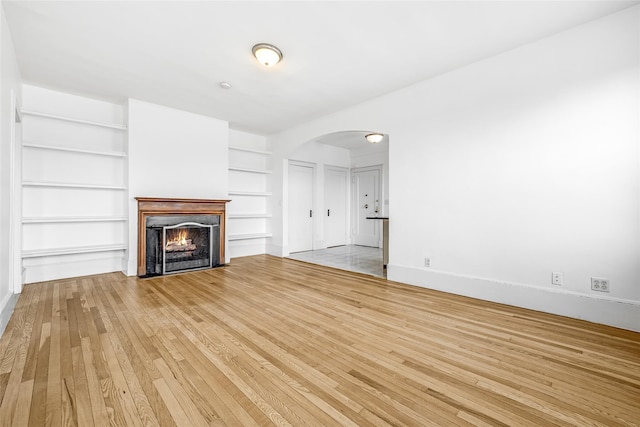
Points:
(267, 54)
(374, 138)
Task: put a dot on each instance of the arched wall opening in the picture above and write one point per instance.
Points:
(324, 165)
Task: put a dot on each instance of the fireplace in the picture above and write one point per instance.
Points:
(178, 235)
(179, 243)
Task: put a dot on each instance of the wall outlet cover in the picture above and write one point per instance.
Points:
(599, 284)
(556, 278)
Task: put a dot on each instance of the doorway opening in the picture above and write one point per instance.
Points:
(366, 204)
(350, 184)
(302, 177)
(336, 204)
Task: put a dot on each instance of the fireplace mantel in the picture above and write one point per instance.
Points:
(153, 206)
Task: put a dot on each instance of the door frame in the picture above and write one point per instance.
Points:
(355, 203)
(347, 200)
(314, 168)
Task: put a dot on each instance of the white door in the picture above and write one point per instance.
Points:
(335, 203)
(366, 203)
(300, 207)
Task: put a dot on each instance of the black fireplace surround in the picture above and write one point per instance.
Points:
(177, 243)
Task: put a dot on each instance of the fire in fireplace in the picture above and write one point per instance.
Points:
(181, 242)
(186, 246)
(177, 241)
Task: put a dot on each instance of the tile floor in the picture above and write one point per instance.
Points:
(361, 259)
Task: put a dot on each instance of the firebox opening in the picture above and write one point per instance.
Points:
(177, 243)
(186, 246)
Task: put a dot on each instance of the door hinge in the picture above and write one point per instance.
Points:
(328, 213)
(310, 213)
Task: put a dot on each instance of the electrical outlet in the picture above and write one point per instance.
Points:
(556, 278)
(599, 284)
(427, 262)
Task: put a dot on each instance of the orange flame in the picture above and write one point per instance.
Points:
(178, 238)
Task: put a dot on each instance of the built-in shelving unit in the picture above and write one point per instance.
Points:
(73, 186)
(72, 219)
(38, 253)
(249, 179)
(248, 236)
(251, 150)
(249, 215)
(72, 119)
(249, 170)
(73, 150)
(250, 193)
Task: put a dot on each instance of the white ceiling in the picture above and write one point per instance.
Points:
(354, 141)
(336, 53)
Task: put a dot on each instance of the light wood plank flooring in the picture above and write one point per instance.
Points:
(270, 341)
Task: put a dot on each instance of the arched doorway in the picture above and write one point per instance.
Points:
(339, 160)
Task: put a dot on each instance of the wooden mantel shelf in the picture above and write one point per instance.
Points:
(154, 206)
(161, 202)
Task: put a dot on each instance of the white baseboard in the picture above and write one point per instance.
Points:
(616, 312)
(124, 267)
(7, 305)
(131, 267)
(241, 248)
(277, 250)
(61, 267)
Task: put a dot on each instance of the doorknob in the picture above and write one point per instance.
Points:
(366, 206)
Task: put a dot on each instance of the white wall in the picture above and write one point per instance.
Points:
(241, 139)
(173, 153)
(514, 167)
(9, 82)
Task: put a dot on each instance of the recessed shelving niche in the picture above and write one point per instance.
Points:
(73, 186)
(249, 183)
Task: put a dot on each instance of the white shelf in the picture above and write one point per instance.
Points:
(250, 170)
(72, 219)
(68, 185)
(37, 253)
(250, 215)
(250, 150)
(251, 225)
(248, 236)
(249, 193)
(74, 120)
(83, 147)
(74, 150)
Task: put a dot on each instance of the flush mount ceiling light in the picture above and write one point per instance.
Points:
(267, 54)
(374, 138)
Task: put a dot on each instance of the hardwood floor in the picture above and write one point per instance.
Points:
(270, 341)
